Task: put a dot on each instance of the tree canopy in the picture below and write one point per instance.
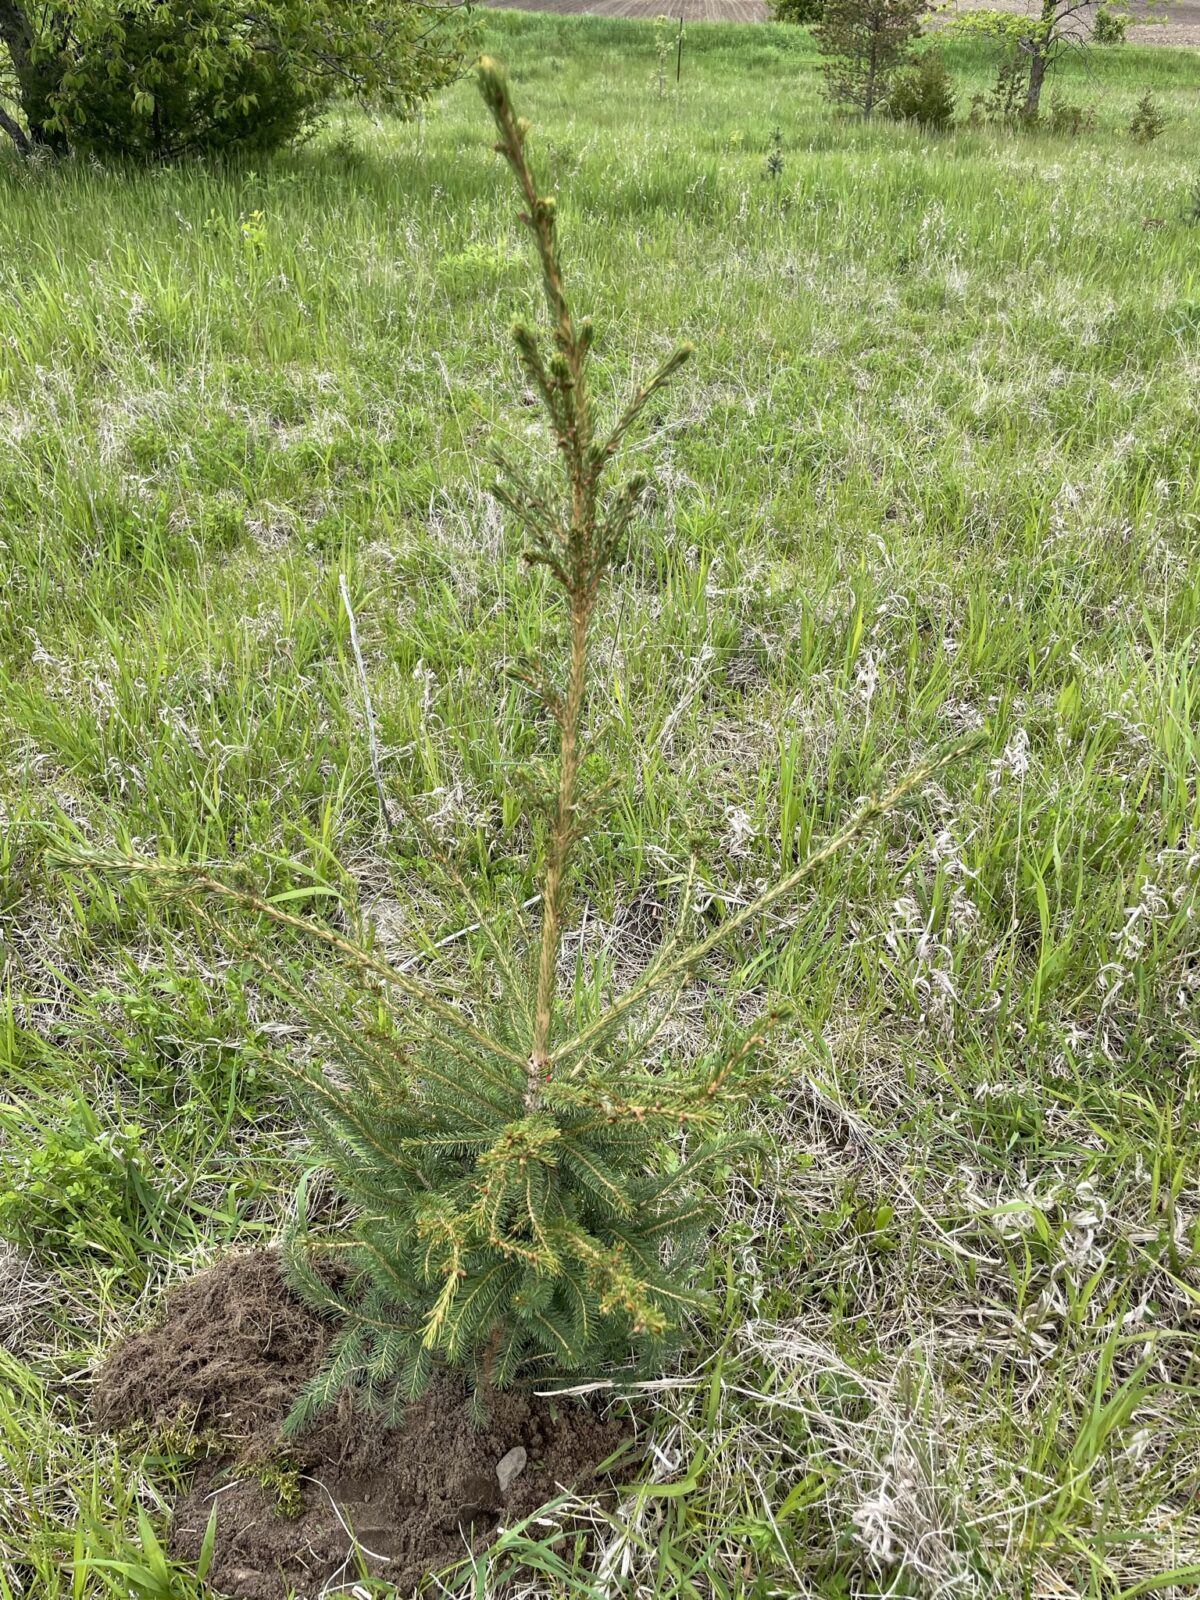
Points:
(160, 79)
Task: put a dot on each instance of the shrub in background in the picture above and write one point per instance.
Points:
(804, 12)
(864, 43)
(161, 79)
(1067, 119)
(1110, 27)
(530, 1197)
(924, 93)
(1148, 121)
(152, 82)
(1005, 103)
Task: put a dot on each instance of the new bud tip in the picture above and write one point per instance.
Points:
(491, 83)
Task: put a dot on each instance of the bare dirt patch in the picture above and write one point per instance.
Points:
(231, 1352)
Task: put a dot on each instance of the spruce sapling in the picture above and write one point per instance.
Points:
(775, 155)
(528, 1200)
(1148, 122)
(863, 44)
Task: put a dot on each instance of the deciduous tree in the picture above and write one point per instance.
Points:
(1039, 36)
(166, 78)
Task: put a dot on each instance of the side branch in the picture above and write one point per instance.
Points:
(858, 824)
(199, 881)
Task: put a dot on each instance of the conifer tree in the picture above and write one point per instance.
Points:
(529, 1200)
(864, 43)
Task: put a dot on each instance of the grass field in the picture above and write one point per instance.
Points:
(936, 466)
(1177, 23)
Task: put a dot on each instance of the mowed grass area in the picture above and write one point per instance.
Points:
(935, 467)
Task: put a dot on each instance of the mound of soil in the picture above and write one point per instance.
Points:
(232, 1350)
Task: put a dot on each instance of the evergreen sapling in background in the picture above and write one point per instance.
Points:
(775, 155)
(1148, 121)
(863, 44)
(529, 1199)
(1110, 27)
(924, 93)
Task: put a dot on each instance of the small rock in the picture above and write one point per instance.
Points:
(510, 1465)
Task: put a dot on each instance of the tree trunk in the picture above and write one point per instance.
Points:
(15, 132)
(1037, 76)
(1042, 46)
(869, 94)
(36, 81)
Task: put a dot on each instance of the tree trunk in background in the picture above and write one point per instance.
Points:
(35, 83)
(872, 75)
(15, 132)
(1041, 47)
(1037, 76)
